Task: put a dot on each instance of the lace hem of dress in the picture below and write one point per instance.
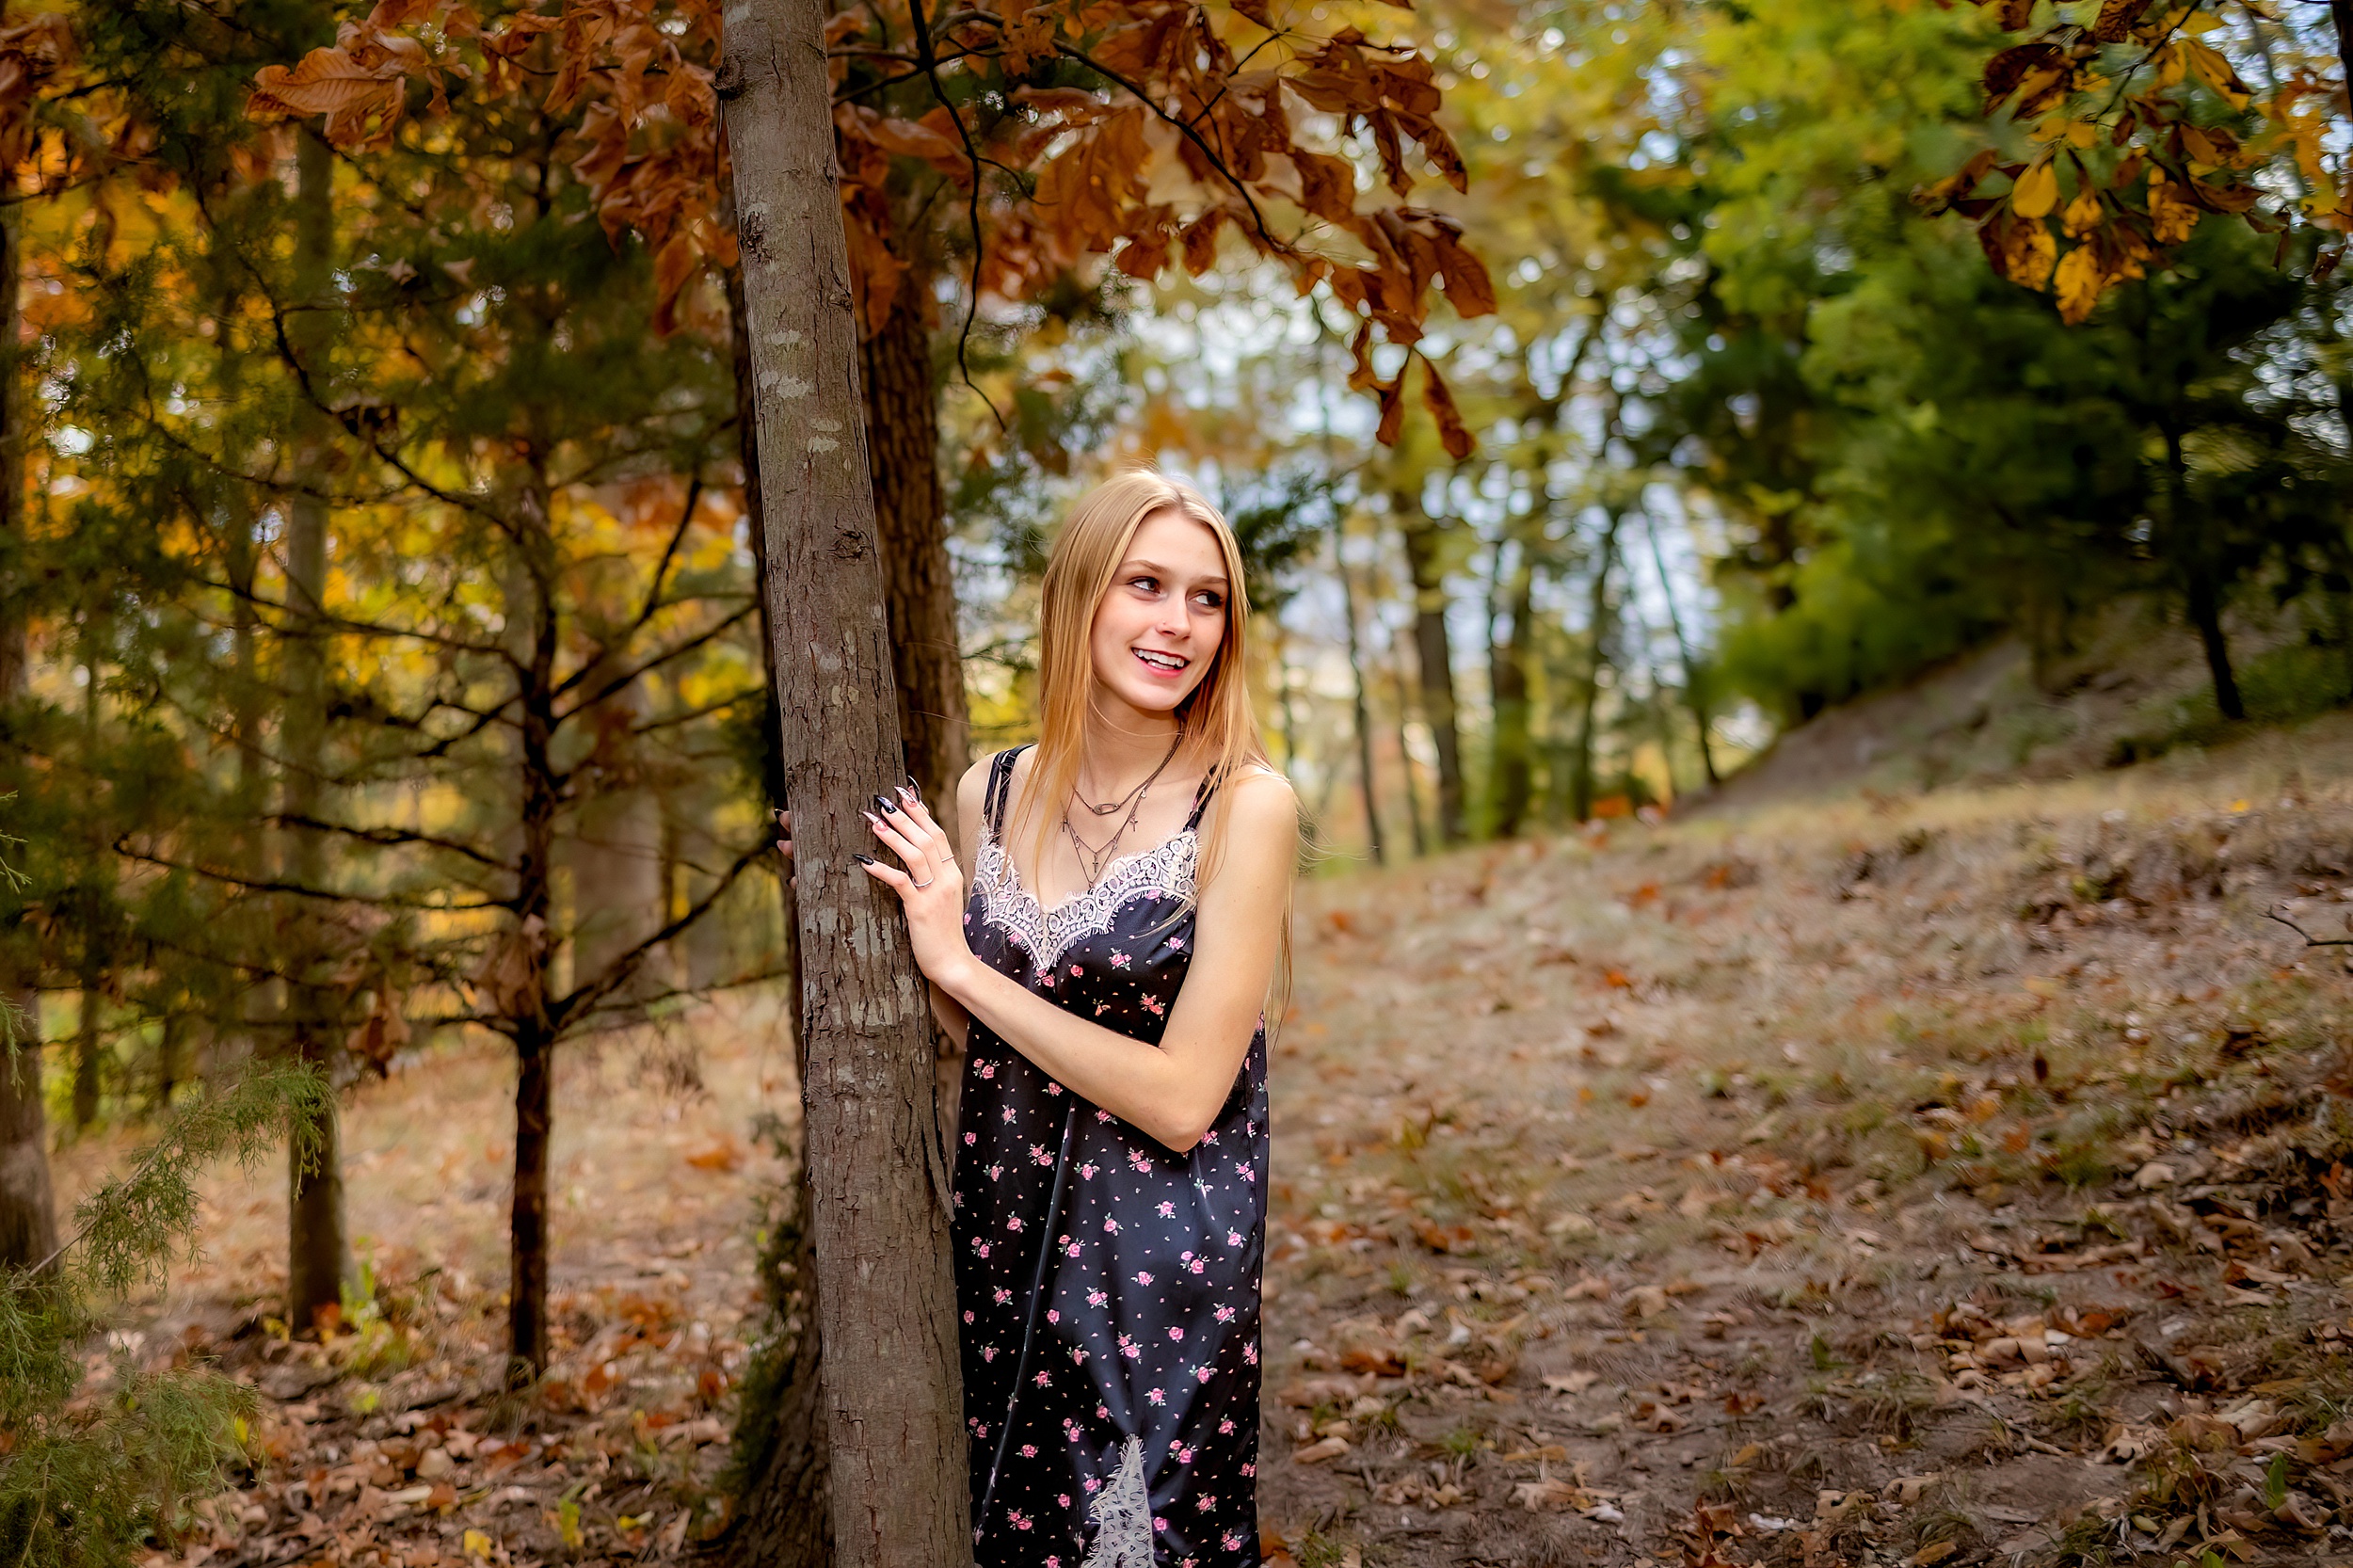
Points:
(1165, 871)
(1122, 1513)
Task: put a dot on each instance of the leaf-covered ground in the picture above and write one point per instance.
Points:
(1962, 1178)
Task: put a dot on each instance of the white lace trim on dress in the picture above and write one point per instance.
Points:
(1165, 871)
(1123, 1516)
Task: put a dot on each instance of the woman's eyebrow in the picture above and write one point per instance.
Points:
(1140, 565)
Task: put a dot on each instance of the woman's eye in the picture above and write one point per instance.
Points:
(1210, 601)
(1143, 584)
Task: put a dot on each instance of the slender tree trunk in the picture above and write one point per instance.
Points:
(89, 1041)
(1507, 677)
(2201, 582)
(29, 1216)
(96, 898)
(1406, 752)
(528, 957)
(28, 1213)
(1596, 619)
(878, 1169)
(318, 1248)
(911, 521)
(1694, 688)
(784, 1520)
(1365, 783)
(1435, 657)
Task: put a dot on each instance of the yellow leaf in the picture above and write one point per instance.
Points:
(477, 1544)
(2083, 215)
(2036, 192)
(2216, 73)
(2077, 282)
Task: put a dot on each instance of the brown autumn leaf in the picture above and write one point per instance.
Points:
(1452, 432)
(2117, 17)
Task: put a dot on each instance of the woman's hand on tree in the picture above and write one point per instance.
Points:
(928, 882)
(784, 844)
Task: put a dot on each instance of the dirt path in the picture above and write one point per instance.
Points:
(1941, 1181)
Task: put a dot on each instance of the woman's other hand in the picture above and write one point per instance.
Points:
(928, 881)
(784, 844)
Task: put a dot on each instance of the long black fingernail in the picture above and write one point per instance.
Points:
(887, 803)
(912, 786)
(865, 859)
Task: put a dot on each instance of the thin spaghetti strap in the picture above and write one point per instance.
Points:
(1000, 790)
(1201, 800)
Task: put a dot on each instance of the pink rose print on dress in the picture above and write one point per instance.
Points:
(988, 1352)
(971, 1138)
(1052, 1316)
(1168, 1210)
(1175, 1331)
(1203, 1374)
(1119, 960)
(1096, 1298)
(1233, 1238)
(1226, 1429)
(1101, 1008)
(1003, 1296)
(1143, 1276)
(1176, 944)
(1242, 1170)
(1224, 1314)
(1155, 1006)
(1052, 1088)
(1029, 1451)
(1039, 1156)
(1111, 1224)
(1076, 971)
(1012, 1222)
(1250, 1469)
(1045, 1380)
(968, 1315)
(1156, 1395)
(1129, 1348)
(1088, 1169)
(988, 1069)
(995, 1173)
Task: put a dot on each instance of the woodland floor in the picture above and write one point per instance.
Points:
(1960, 1177)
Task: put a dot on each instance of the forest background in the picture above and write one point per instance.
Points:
(379, 634)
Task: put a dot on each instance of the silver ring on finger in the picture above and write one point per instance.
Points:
(926, 884)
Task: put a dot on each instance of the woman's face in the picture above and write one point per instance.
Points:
(1160, 623)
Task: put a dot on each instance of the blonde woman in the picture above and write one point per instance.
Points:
(1107, 973)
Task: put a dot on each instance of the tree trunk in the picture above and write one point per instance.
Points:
(911, 522)
(1695, 689)
(29, 1215)
(1436, 660)
(878, 1169)
(1596, 630)
(1406, 752)
(2205, 613)
(318, 1248)
(1512, 773)
(527, 959)
(784, 1520)
(1363, 716)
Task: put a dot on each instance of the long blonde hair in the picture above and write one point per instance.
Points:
(1217, 728)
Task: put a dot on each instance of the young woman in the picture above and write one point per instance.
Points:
(1129, 901)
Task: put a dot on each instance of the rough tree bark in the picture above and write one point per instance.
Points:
(878, 1170)
(784, 1520)
(911, 521)
(28, 1213)
(318, 1247)
(1435, 658)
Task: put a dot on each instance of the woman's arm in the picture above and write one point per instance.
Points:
(1174, 1090)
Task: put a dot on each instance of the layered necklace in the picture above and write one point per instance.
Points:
(1092, 859)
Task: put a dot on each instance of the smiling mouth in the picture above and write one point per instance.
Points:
(1161, 664)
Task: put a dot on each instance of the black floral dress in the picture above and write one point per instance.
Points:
(1107, 1287)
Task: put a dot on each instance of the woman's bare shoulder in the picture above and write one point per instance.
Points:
(1261, 807)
